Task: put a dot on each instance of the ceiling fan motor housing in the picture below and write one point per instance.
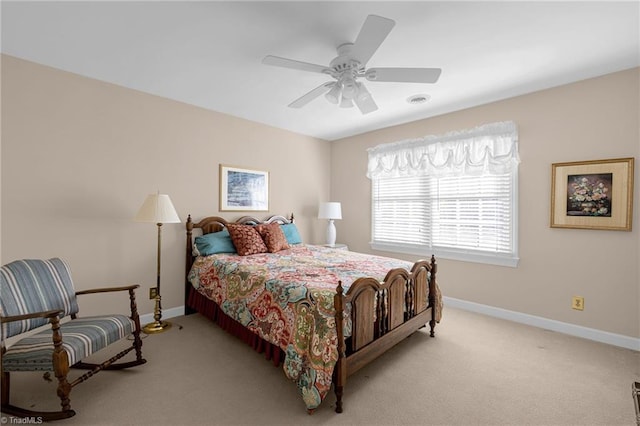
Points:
(344, 62)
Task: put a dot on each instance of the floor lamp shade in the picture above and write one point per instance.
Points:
(158, 209)
(330, 210)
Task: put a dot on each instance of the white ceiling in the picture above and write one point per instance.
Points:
(209, 53)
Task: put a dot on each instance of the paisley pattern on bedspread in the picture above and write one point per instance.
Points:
(287, 299)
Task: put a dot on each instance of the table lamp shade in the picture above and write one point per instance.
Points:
(330, 210)
(157, 208)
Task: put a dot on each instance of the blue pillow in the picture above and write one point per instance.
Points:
(291, 233)
(215, 242)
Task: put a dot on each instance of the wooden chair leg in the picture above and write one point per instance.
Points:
(137, 344)
(635, 387)
(61, 367)
(63, 391)
(137, 340)
(18, 412)
(6, 383)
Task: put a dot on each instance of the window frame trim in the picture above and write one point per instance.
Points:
(510, 260)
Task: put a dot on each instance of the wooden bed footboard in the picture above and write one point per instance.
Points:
(382, 315)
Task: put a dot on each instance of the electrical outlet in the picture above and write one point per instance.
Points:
(577, 303)
(153, 292)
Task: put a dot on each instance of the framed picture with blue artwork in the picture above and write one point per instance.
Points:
(243, 189)
(595, 194)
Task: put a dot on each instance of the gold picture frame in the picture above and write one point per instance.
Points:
(595, 194)
(243, 189)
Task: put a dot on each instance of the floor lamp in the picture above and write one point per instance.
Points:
(158, 209)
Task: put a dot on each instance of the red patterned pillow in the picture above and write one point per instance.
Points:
(273, 237)
(246, 239)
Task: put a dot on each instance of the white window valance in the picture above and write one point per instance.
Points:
(487, 149)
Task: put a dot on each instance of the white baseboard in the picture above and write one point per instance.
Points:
(166, 314)
(547, 324)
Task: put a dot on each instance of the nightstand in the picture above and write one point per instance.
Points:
(337, 246)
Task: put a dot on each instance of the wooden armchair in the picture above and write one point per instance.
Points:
(37, 292)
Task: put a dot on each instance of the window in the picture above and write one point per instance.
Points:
(453, 195)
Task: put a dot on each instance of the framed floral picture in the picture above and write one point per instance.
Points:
(243, 189)
(594, 194)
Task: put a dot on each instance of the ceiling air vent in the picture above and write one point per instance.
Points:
(418, 99)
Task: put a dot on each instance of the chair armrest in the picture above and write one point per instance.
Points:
(132, 298)
(44, 314)
(107, 289)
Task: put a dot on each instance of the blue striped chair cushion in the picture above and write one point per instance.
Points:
(81, 337)
(34, 285)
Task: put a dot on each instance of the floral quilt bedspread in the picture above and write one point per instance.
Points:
(287, 299)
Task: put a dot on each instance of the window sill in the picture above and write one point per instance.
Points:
(440, 253)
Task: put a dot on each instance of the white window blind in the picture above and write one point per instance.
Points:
(473, 213)
(467, 211)
(399, 210)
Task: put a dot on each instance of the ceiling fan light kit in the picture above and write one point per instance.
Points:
(350, 64)
(333, 95)
(346, 103)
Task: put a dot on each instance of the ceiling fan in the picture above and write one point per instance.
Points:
(349, 66)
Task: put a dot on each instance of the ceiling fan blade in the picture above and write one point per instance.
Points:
(364, 101)
(308, 97)
(296, 65)
(374, 30)
(404, 75)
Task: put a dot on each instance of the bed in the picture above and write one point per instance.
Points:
(323, 313)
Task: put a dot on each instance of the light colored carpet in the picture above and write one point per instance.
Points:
(476, 371)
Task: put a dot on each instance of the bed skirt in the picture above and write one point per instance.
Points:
(211, 310)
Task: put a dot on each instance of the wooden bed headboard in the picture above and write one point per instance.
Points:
(214, 224)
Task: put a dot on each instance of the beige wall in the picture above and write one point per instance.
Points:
(79, 156)
(588, 120)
